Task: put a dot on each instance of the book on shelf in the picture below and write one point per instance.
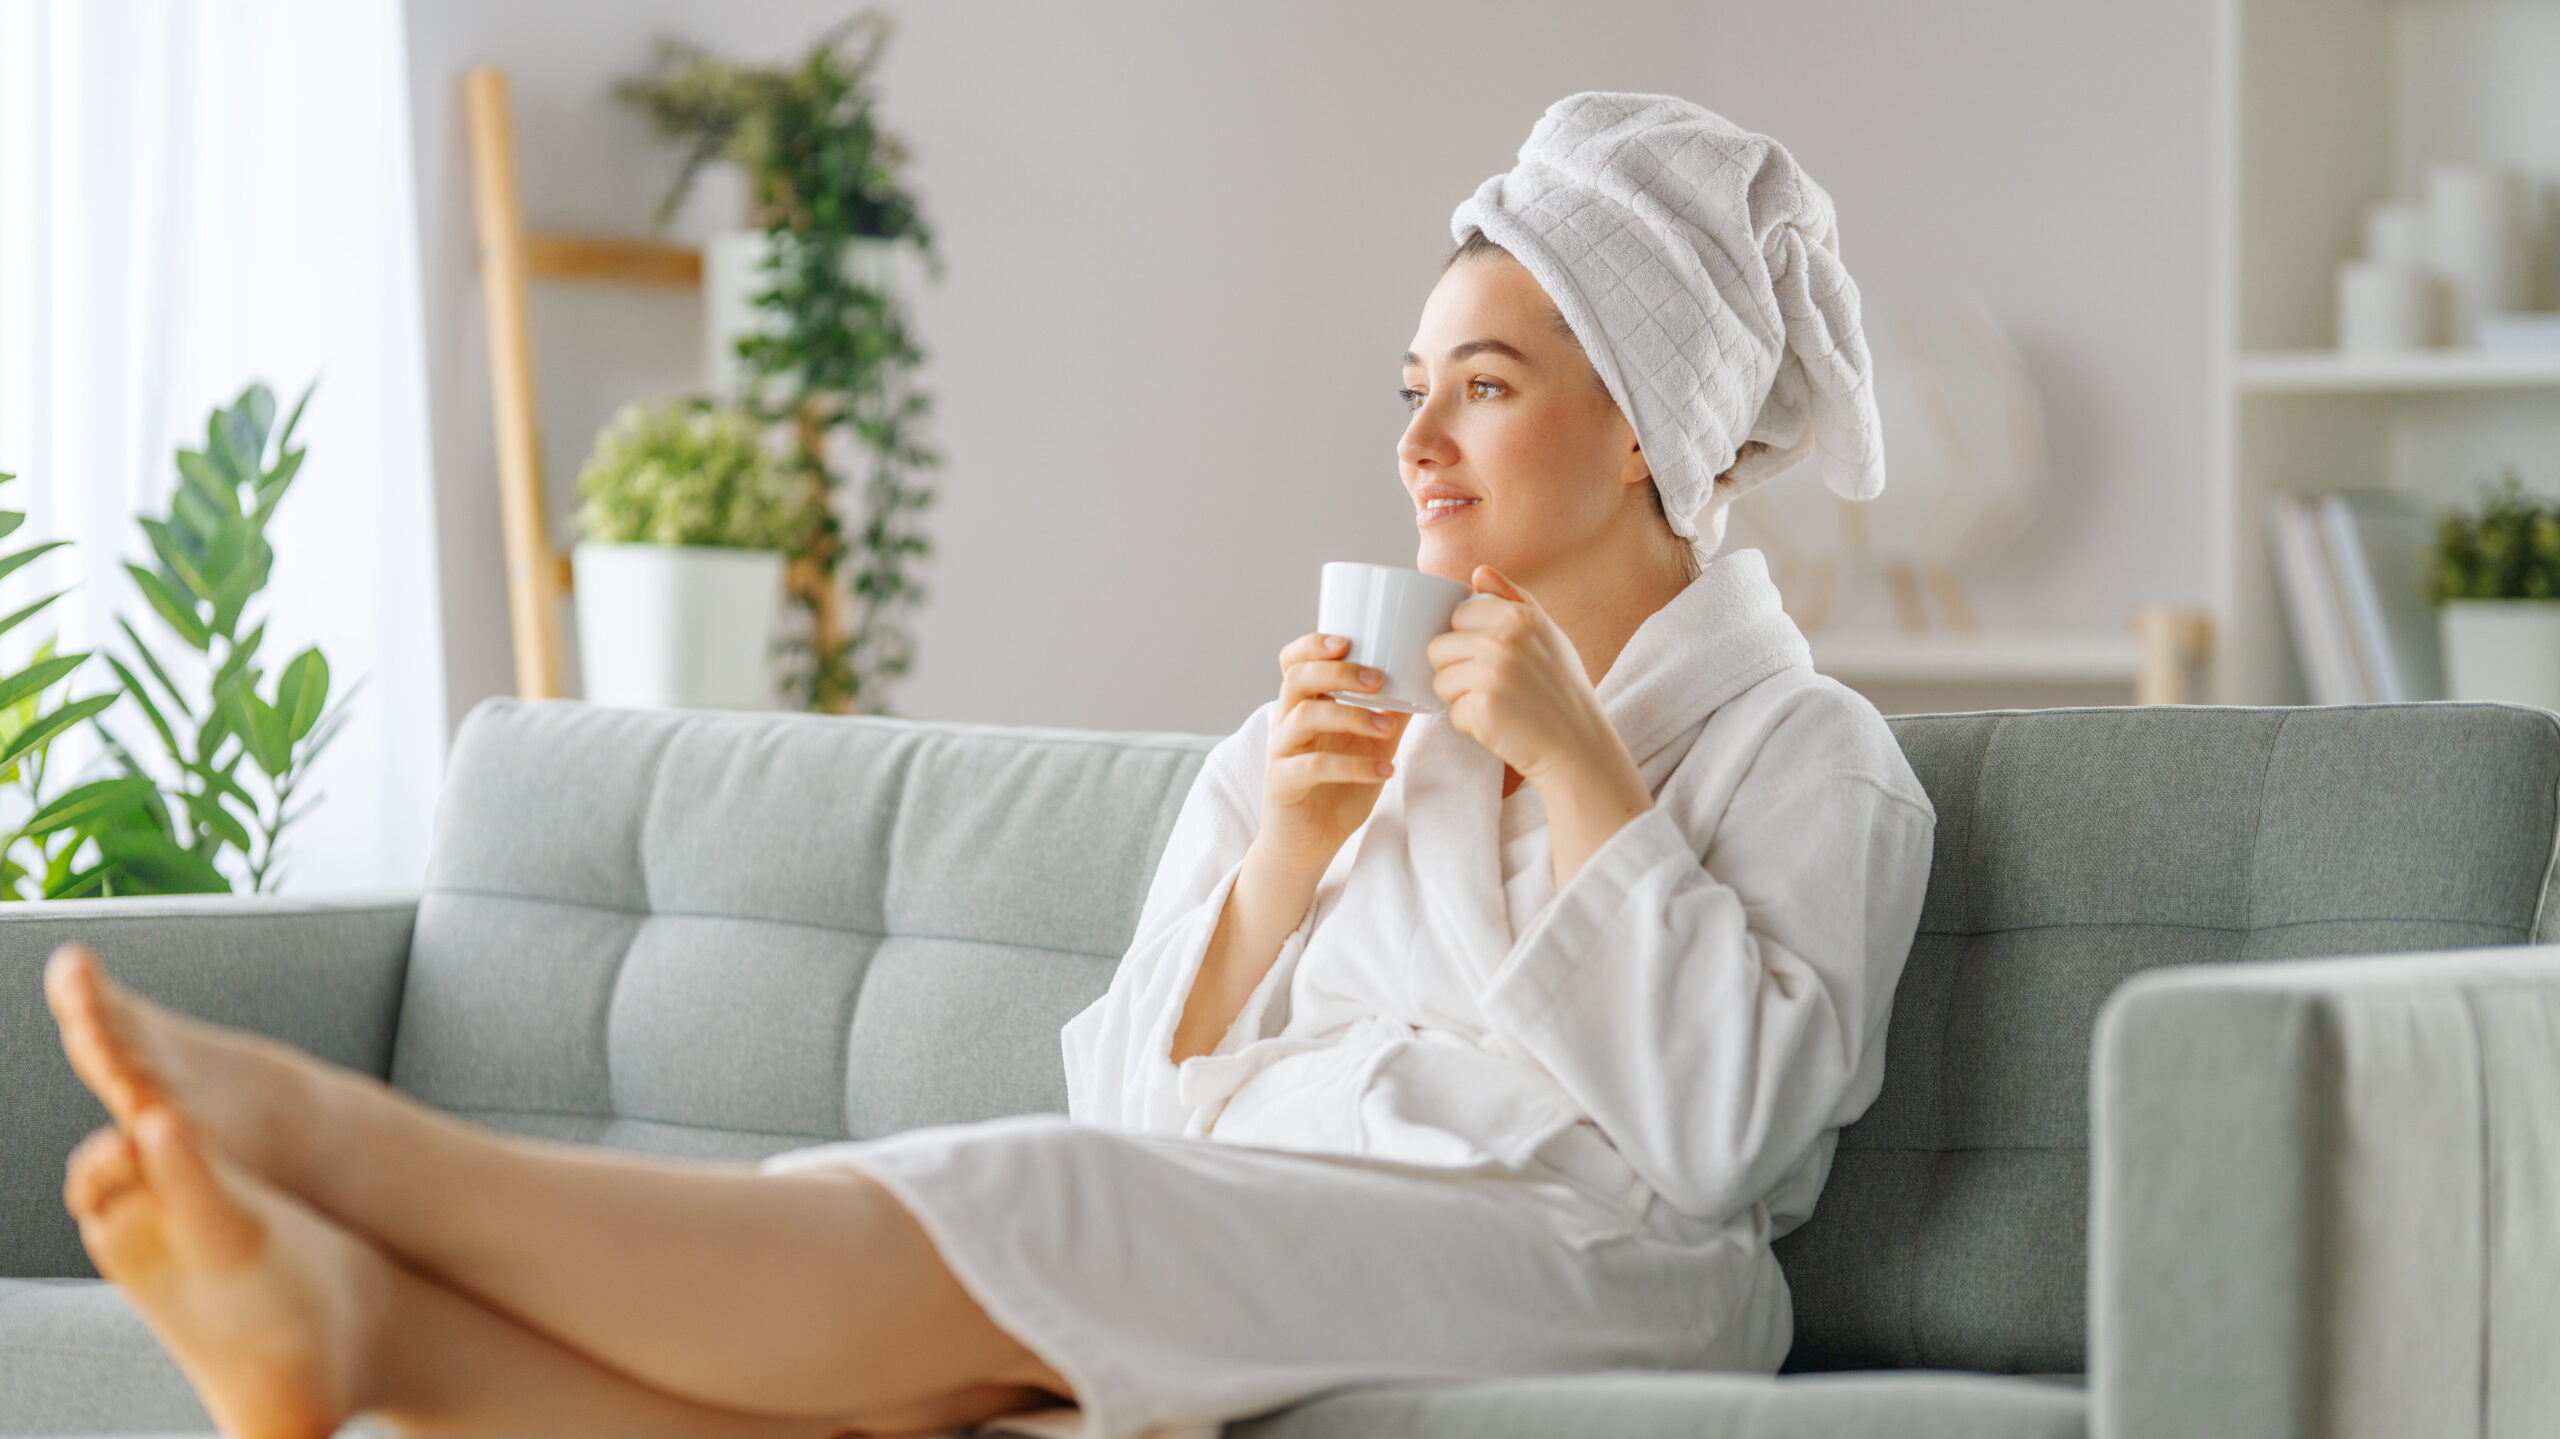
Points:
(2352, 563)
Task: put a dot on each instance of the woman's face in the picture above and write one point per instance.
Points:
(1515, 456)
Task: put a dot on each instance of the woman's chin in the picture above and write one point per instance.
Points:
(1457, 562)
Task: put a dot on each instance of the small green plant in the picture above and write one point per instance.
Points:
(79, 843)
(2508, 550)
(687, 473)
(240, 749)
(841, 361)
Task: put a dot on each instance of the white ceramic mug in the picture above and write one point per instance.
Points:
(1390, 615)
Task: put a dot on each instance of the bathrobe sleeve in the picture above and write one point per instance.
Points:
(1712, 990)
(1119, 1050)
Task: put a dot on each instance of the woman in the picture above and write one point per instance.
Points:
(1501, 1043)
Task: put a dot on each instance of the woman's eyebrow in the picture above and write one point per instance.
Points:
(1472, 347)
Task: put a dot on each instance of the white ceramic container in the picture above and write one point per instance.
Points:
(2503, 650)
(677, 626)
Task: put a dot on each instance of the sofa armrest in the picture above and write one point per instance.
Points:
(322, 975)
(2325, 1198)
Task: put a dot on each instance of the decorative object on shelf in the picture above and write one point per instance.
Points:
(2475, 242)
(1968, 463)
(684, 519)
(2391, 298)
(836, 361)
(233, 760)
(2352, 567)
(2525, 333)
(2497, 577)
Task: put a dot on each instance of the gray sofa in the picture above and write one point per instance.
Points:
(2275, 1197)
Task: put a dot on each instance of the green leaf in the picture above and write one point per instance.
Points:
(11, 563)
(243, 651)
(91, 805)
(285, 439)
(36, 678)
(180, 614)
(262, 730)
(142, 697)
(30, 612)
(10, 520)
(168, 686)
(209, 814)
(173, 556)
(43, 730)
(202, 476)
(154, 864)
(278, 480)
(256, 407)
(303, 690)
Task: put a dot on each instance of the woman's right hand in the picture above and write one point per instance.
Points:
(1327, 761)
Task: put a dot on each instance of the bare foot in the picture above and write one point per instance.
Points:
(247, 1097)
(270, 1310)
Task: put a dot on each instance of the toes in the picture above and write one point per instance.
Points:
(84, 1001)
(99, 1172)
(207, 1226)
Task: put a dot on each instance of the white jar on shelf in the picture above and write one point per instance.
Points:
(2385, 306)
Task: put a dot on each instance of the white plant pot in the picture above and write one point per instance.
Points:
(2503, 650)
(677, 625)
(732, 273)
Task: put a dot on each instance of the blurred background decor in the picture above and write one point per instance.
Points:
(803, 321)
(1966, 464)
(684, 522)
(2497, 577)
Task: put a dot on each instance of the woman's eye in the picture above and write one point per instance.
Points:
(1483, 384)
(1412, 397)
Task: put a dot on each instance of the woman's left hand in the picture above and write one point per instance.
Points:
(1514, 684)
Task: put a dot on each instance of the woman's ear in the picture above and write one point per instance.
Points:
(1632, 467)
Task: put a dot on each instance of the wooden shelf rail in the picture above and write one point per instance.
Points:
(538, 574)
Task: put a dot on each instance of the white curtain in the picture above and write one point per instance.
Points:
(195, 194)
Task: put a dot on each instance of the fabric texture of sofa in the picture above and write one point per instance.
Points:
(2133, 1126)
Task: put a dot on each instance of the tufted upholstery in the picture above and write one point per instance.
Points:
(723, 936)
(2075, 848)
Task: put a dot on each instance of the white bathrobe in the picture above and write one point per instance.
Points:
(1467, 1125)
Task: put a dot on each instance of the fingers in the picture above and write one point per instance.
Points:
(1312, 665)
(1490, 581)
(1323, 766)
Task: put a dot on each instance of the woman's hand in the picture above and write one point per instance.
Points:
(1515, 685)
(1326, 764)
(1327, 760)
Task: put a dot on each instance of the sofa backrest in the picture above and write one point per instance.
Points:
(722, 936)
(2075, 848)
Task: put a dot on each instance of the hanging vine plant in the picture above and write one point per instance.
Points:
(838, 364)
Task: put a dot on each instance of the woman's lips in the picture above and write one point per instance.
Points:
(1435, 512)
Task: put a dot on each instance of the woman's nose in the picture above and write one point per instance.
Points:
(1426, 440)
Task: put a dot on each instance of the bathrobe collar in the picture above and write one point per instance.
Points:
(1718, 637)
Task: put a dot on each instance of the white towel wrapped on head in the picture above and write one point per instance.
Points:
(1700, 269)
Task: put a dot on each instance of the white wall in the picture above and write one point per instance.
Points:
(1185, 244)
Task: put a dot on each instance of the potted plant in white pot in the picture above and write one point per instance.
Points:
(805, 322)
(2497, 576)
(684, 521)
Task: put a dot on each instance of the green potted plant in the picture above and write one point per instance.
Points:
(684, 520)
(803, 321)
(2496, 577)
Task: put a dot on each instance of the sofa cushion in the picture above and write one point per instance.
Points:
(725, 935)
(1694, 1406)
(76, 1359)
(2074, 849)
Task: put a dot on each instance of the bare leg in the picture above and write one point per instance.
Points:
(288, 1325)
(780, 1294)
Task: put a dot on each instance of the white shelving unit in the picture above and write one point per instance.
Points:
(2326, 107)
